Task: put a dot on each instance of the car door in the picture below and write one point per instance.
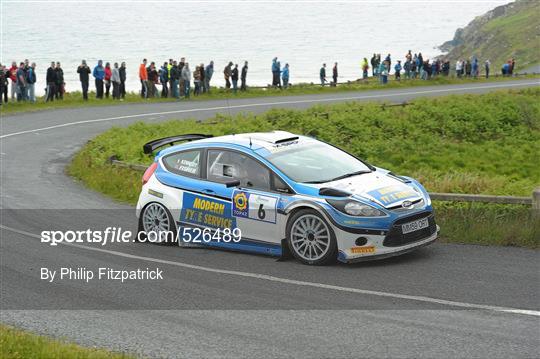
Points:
(253, 202)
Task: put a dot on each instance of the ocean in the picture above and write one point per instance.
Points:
(303, 34)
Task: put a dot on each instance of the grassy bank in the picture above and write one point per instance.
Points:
(484, 144)
(74, 99)
(19, 344)
(507, 31)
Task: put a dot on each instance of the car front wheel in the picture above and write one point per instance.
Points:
(310, 238)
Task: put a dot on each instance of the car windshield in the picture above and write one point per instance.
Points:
(316, 163)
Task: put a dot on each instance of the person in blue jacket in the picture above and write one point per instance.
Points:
(99, 75)
(397, 69)
(285, 76)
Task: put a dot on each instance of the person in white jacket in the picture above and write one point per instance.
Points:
(115, 79)
(186, 76)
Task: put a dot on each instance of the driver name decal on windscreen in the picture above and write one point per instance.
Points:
(254, 206)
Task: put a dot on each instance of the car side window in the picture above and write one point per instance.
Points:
(186, 163)
(226, 166)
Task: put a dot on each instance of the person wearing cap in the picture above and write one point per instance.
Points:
(84, 75)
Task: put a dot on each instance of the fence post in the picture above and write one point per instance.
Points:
(536, 202)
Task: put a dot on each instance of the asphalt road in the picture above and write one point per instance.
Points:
(441, 301)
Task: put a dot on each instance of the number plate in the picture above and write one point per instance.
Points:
(415, 226)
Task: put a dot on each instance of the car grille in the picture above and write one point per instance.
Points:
(395, 238)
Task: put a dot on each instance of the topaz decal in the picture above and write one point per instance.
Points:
(254, 206)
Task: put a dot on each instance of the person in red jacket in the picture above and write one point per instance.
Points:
(107, 79)
(13, 77)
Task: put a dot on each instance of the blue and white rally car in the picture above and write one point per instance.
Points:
(279, 193)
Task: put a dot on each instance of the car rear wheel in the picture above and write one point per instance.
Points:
(310, 238)
(157, 225)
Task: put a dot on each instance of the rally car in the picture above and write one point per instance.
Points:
(279, 193)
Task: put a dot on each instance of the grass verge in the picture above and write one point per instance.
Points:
(19, 344)
(481, 144)
(74, 99)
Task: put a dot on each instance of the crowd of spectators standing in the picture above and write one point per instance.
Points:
(173, 78)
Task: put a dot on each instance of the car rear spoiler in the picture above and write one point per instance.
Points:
(152, 145)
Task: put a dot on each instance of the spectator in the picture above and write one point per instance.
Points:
(419, 62)
(153, 79)
(234, 78)
(322, 74)
(446, 68)
(414, 68)
(468, 69)
(397, 70)
(13, 77)
(487, 65)
(408, 56)
(164, 79)
(21, 83)
(143, 76)
(407, 69)
(383, 72)
(276, 70)
(122, 72)
(3, 83)
(180, 68)
(202, 75)
(285, 76)
(512, 64)
(59, 82)
(373, 64)
(506, 69)
(388, 59)
(107, 79)
(208, 72)
(84, 75)
(99, 75)
(186, 77)
(365, 68)
(175, 77)
(335, 73)
(243, 76)
(227, 72)
(115, 79)
(459, 68)
(31, 79)
(197, 80)
(475, 68)
(169, 68)
(51, 82)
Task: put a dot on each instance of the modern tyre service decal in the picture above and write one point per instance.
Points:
(206, 211)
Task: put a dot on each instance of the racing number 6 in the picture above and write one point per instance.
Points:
(261, 213)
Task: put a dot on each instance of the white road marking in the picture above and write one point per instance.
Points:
(270, 104)
(294, 281)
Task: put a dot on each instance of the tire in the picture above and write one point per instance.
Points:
(155, 217)
(310, 238)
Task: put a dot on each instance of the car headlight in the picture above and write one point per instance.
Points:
(354, 208)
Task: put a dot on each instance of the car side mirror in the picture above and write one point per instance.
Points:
(234, 183)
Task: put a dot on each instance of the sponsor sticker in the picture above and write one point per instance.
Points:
(206, 211)
(254, 206)
(363, 250)
(390, 194)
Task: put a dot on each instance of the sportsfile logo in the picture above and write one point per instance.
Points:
(108, 235)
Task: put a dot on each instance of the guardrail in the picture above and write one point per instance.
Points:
(533, 201)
